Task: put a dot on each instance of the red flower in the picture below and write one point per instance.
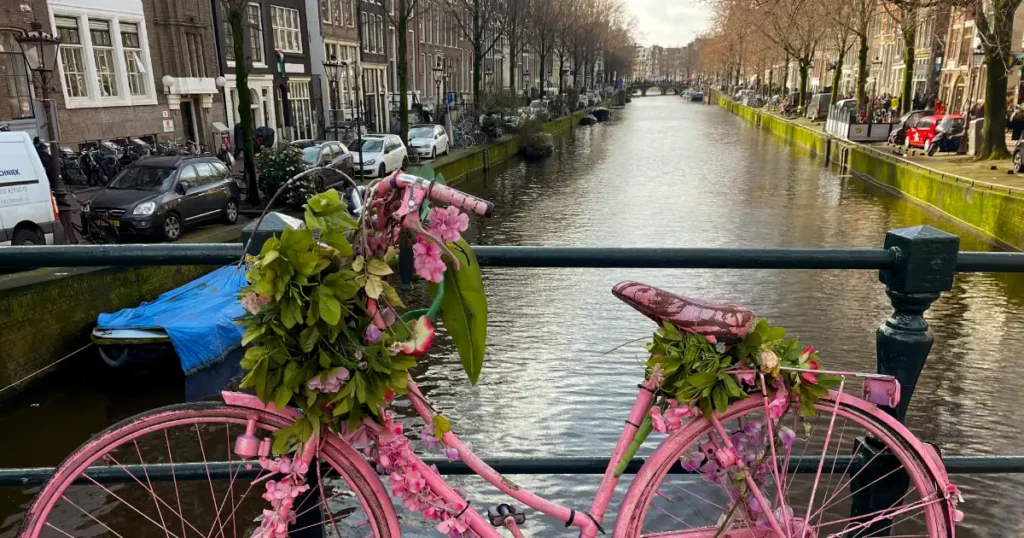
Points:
(808, 377)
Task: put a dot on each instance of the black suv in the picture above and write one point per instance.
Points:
(160, 196)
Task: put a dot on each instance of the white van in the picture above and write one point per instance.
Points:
(28, 212)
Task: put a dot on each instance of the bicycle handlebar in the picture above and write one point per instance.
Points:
(439, 193)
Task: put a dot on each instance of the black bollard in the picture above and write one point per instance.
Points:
(925, 268)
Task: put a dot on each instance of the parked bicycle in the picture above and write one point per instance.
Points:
(774, 445)
(96, 228)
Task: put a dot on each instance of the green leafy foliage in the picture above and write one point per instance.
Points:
(279, 164)
(696, 372)
(464, 309)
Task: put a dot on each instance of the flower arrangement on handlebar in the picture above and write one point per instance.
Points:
(325, 333)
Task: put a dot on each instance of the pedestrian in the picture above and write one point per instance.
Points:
(917, 101)
(895, 104)
(939, 107)
(1016, 123)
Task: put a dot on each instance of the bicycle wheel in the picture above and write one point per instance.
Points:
(803, 504)
(170, 482)
(100, 230)
(480, 138)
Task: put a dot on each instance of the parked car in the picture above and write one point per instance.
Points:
(922, 133)
(538, 106)
(28, 212)
(162, 196)
(325, 153)
(593, 97)
(898, 134)
(381, 155)
(428, 140)
(817, 107)
(949, 133)
(1018, 157)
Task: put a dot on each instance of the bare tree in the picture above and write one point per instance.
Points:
(403, 13)
(543, 24)
(517, 33)
(994, 22)
(235, 14)
(482, 23)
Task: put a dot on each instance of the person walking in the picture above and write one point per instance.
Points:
(917, 101)
(1016, 123)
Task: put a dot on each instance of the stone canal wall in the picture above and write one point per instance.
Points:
(994, 210)
(461, 163)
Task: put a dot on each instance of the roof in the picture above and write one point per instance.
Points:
(171, 161)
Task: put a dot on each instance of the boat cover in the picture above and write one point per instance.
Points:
(198, 317)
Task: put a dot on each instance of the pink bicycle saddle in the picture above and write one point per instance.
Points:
(710, 318)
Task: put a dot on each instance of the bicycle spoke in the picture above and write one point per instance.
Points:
(150, 484)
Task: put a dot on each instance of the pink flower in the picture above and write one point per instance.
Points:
(693, 461)
(787, 436)
(747, 378)
(331, 382)
(252, 302)
(371, 336)
(448, 223)
(427, 436)
(426, 257)
(657, 420)
(451, 453)
(675, 414)
(655, 378)
(452, 526)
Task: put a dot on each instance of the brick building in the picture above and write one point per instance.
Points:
(112, 62)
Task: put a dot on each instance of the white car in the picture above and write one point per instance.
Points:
(381, 155)
(429, 140)
(28, 212)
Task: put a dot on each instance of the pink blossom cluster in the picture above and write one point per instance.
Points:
(252, 302)
(448, 223)
(426, 259)
(407, 481)
(330, 382)
(281, 495)
(671, 419)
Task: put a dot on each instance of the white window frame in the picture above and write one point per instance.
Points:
(92, 98)
(302, 108)
(287, 38)
(137, 53)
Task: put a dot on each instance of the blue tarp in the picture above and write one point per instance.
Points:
(198, 317)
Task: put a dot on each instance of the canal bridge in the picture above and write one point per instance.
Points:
(666, 88)
(708, 188)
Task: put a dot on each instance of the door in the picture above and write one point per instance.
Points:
(190, 203)
(395, 155)
(188, 121)
(210, 193)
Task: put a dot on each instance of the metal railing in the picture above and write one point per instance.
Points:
(915, 264)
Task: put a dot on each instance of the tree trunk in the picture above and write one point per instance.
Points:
(907, 94)
(513, 43)
(771, 79)
(244, 103)
(837, 73)
(785, 77)
(804, 67)
(402, 69)
(862, 73)
(993, 132)
(478, 61)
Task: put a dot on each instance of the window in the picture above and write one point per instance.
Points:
(188, 173)
(380, 34)
(255, 22)
(350, 11)
(14, 69)
(287, 35)
(72, 56)
(103, 55)
(364, 38)
(419, 28)
(207, 174)
(337, 13)
(133, 57)
(325, 11)
(302, 112)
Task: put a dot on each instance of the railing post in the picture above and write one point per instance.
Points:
(924, 269)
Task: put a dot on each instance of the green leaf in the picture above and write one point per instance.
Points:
(775, 334)
(305, 263)
(829, 381)
(464, 309)
(324, 201)
(252, 356)
(732, 386)
(269, 258)
(252, 333)
(282, 397)
(702, 380)
(402, 362)
(378, 267)
(720, 398)
(360, 383)
(357, 264)
(392, 296)
(374, 287)
(441, 426)
(344, 405)
(761, 327)
(330, 308)
(308, 338)
(670, 331)
(339, 242)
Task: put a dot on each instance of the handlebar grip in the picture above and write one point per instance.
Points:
(457, 198)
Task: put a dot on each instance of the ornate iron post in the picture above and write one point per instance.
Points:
(925, 269)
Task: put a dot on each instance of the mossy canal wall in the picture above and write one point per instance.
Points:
(995, 210)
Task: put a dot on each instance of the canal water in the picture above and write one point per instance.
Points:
(663, 172)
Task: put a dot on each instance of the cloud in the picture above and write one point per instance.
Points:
(669, 22)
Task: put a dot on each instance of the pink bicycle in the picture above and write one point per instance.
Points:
(757, 448)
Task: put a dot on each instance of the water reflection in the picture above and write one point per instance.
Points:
(664, 172)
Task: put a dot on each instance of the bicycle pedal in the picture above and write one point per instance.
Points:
(503, 512)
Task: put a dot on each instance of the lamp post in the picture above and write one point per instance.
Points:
(40, 51)
(438, 71)
(561, 82)
(358, 108)
(977, 58)
(487, 78)
(332, 68)
(526, 84)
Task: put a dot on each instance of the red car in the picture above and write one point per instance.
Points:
(921, 135)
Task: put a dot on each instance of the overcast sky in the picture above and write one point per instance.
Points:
(669, 22)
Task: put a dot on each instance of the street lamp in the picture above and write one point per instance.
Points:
(438, 71)
(332, 68)
(40, 51)
(487, 78)
(358, 109)
(565, 74)
(526, 83)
